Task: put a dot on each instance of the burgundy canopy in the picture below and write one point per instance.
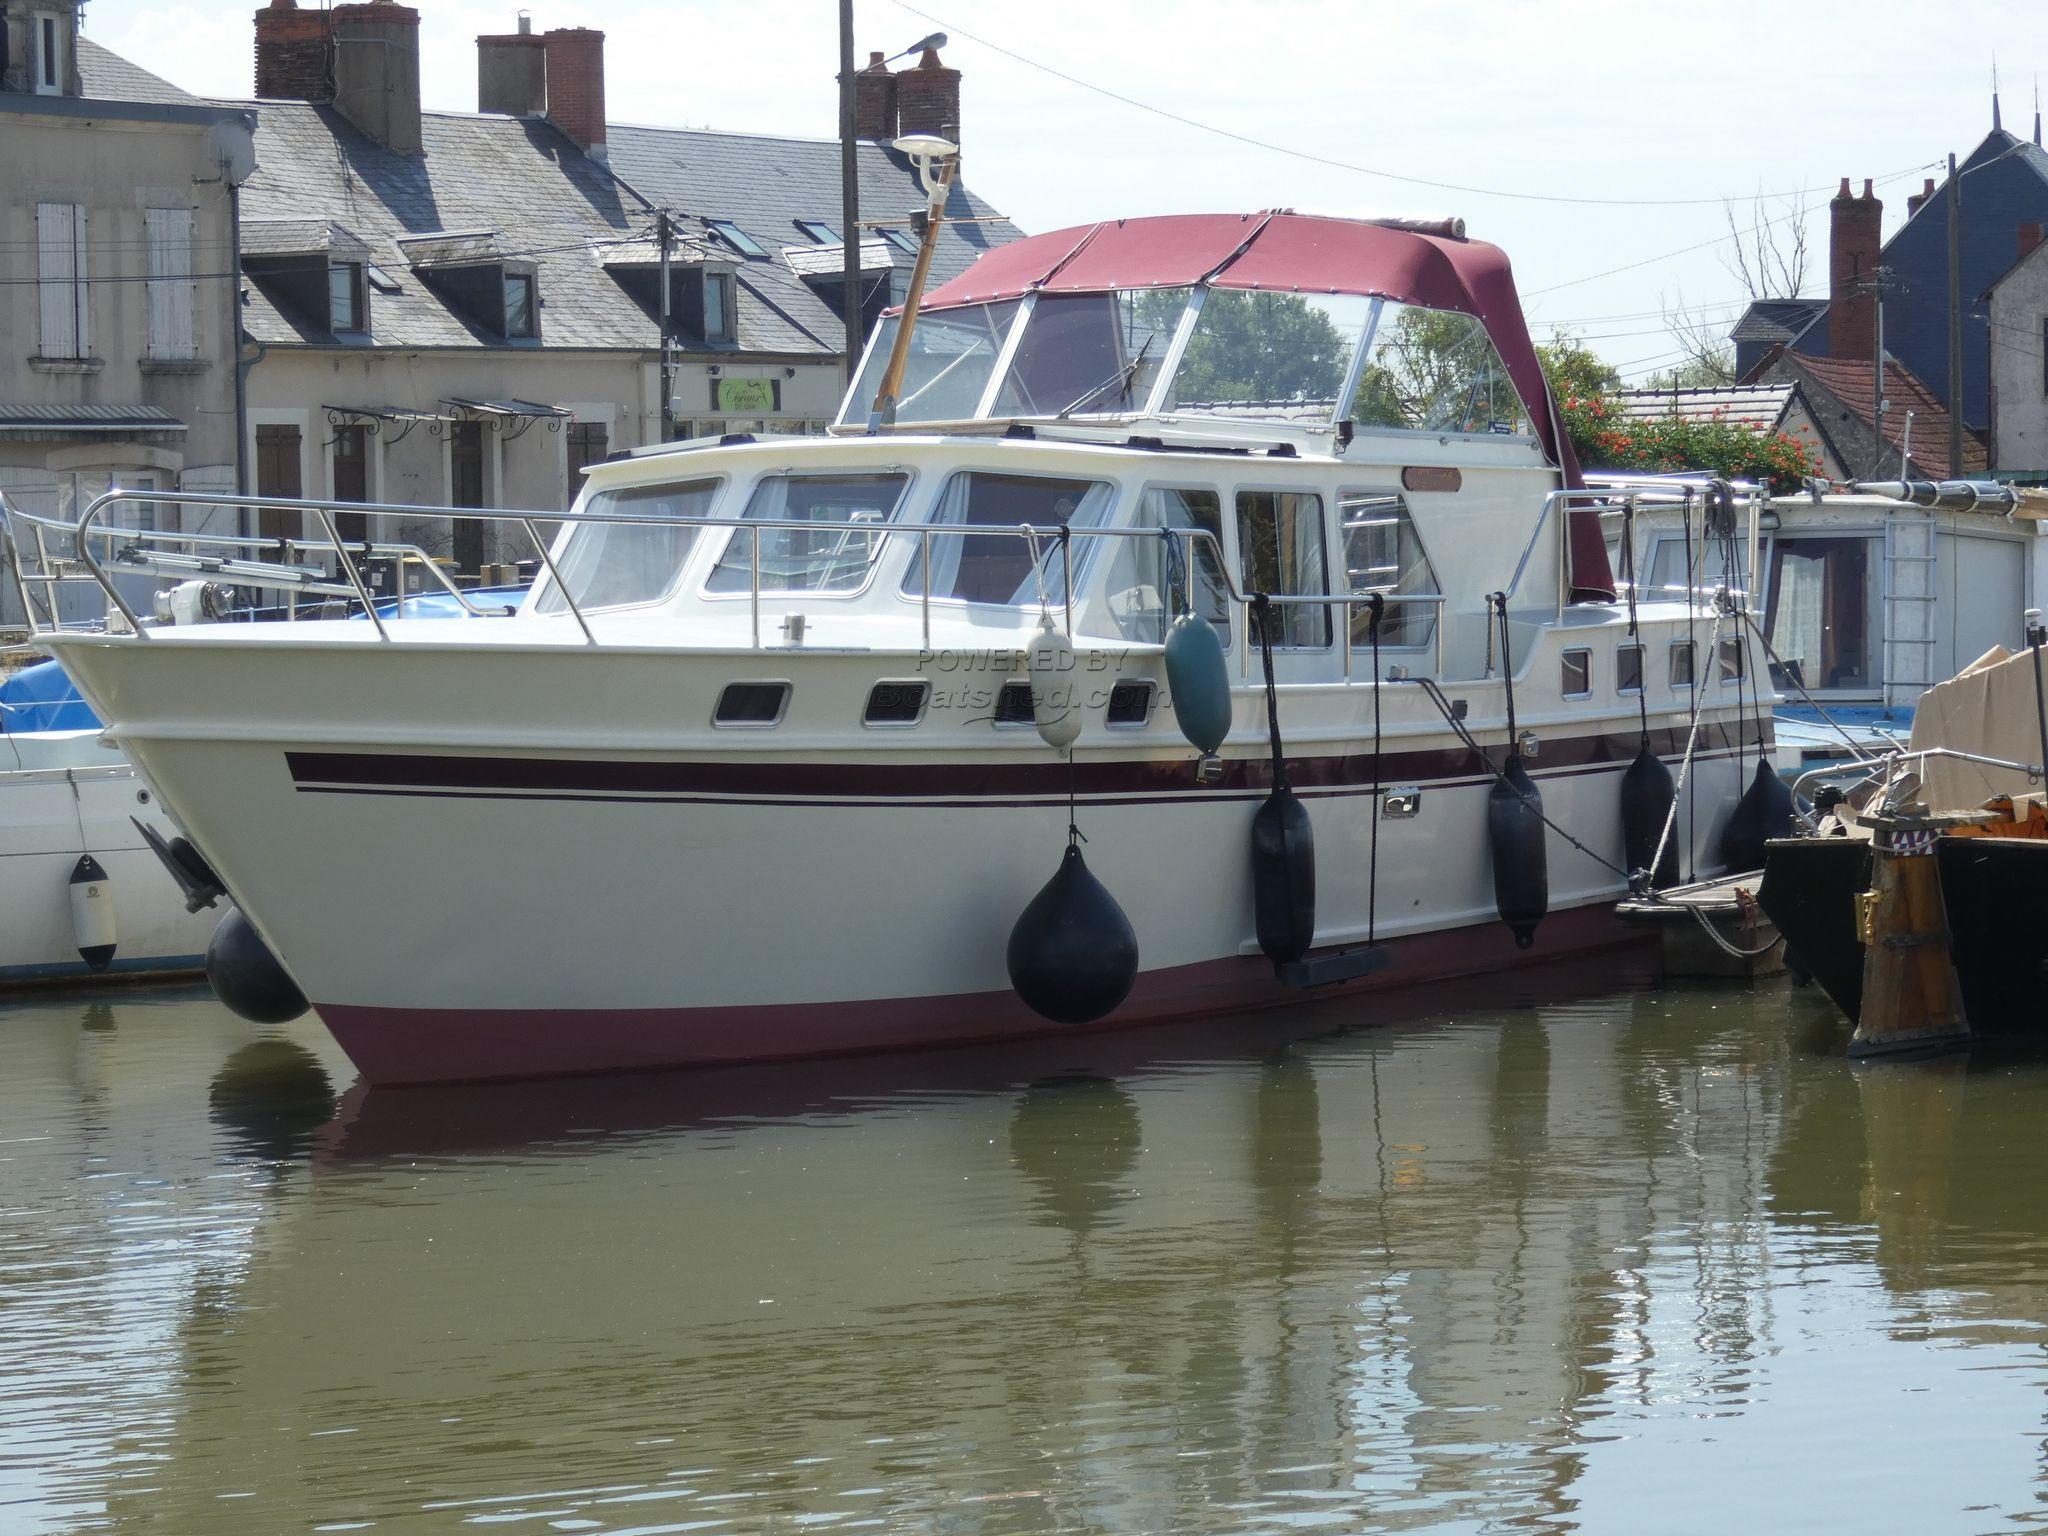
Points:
(1298, 253)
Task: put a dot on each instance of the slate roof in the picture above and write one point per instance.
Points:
(2007, 186)
(1774, 320)
(106, 76)
(764, 183)
(1749, 405)
(477, 173)
(1849, 381)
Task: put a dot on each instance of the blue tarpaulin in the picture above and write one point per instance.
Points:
(43, 698)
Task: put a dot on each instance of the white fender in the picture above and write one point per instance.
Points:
(92, 912)
(1055, 685)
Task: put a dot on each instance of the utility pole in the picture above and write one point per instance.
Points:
(668, 398)
(1955, 321)
(849, 194)
(1877, 376)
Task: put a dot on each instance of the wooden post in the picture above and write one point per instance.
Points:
(1911, 1001)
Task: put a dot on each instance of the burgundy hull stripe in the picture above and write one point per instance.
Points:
(428, 1045)
(968, 783)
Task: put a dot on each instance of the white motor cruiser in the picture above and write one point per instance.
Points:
(1233, 568)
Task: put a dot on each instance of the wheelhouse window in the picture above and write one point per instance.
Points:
(996, 567)
(796, 560)
(1711, 569)
(952, 354)
(519, 305)
(1261, 354)
(1280, 553)
(1822, 601)
(617, 564)
(1435, 370)
(1091, 353)
(1145, 582)
(1382, 553)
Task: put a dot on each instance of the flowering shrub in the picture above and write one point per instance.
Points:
(1604, 438)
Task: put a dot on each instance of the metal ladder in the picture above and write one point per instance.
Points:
(1909, 607)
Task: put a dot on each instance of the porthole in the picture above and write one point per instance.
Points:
(1577, 678)
(1628, 669)
(897, 704)
(1130, 703)
(1013, 705)
(1681, 664)
(753, 706)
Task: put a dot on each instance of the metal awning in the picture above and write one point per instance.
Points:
(377, 417)
(69, 422)
(511, 418)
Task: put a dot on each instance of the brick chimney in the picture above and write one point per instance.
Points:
(1853, 250)
(294, 53)
(377, 71)
(575, 71)
(2030, 240)
(1916, 200)
(874, 101)
(512, 73)
(928, 98)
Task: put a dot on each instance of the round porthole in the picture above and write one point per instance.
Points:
(142, 797)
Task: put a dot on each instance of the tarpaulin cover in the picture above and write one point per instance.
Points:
(1300, 253)
(43, 698)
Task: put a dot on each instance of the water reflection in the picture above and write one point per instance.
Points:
(1537, 1263)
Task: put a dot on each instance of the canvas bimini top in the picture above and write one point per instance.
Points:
(1273, 316)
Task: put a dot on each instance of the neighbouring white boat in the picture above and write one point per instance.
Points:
(82, 891)
(752, 773)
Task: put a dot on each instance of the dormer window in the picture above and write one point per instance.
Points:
(718, 315)
(901, 238)
(348, 307)
(50, 65)
(735, 237)
(519, 306)
(817, 233)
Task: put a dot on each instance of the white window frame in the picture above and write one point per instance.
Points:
(63, 294)
(49, 61)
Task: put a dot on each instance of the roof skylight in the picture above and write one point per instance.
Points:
(735, 237)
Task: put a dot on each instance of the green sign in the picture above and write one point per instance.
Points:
(744, 396)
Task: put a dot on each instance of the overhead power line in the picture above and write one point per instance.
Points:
(956, 30)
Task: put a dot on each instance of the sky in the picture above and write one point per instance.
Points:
(1625, 132)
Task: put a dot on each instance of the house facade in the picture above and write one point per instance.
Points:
(465, 309)
(2018, 318)
(118, 333)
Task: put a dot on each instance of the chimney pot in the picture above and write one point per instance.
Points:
(526, 23)
(294, 53)
(575, 76)
(928, 98)
(874, 101)
(1854, 248)
(1867, 192)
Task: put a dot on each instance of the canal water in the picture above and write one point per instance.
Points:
(1648, 1261)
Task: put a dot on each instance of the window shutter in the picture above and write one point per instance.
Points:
(81, 308)
(173, 331)
(56, 277)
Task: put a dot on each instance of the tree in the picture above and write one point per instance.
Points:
(1575, 370)
(1769, 258)
(1256, 347)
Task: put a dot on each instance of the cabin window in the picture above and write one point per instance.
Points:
(1711, 568)
(897, 704)
(996, 567)
(1628, 669)
(614, 565)
(1280, 553)
(1383, 554)
(952, 354)
(1268, 354)
(792, 560)
(1576, 681)
(1822, 600)
(1130, 704)
(1435, 370)
(1731, 661)
(1681, 664)
(756, 705)
(1091, 353)
(1139, 569)
(1013, 705)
